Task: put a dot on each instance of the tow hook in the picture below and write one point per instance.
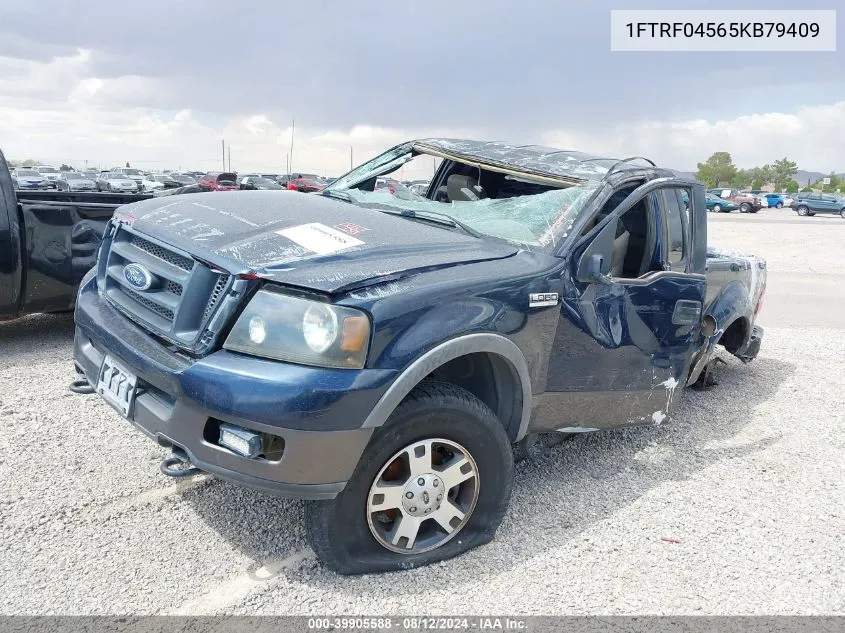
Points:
(169, 465)
(81, 386)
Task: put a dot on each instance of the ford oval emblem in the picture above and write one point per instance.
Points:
(138, 277)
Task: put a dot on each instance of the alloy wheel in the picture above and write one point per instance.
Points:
(423, 496)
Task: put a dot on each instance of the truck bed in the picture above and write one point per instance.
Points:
(48, 241)
(726, 267)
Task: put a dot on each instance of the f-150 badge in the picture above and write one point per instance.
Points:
(542, 299)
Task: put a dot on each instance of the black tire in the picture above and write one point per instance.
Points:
(753, 210)
(338, 530)
(717, 208)
(744, 207)
(779, 205)
(842, 213)
(802, 210)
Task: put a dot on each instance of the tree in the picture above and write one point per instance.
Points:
(741, 179)
(66, 168)
(782, 170)
(806, 189)
(717, 171)
(29, 162)
(792, 186)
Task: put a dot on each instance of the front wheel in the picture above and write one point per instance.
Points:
(717, 208)
(434, 482)
(842, 214)
(802, 211)
(779, 205)
(744, 207)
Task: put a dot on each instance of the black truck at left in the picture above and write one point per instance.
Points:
(48, 241)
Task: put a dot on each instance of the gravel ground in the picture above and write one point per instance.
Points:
(734, 507)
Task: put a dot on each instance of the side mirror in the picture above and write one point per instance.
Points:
(591, 270)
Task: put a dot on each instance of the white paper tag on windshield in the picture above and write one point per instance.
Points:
(319, 238)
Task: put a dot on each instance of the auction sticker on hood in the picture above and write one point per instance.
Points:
(319, 238)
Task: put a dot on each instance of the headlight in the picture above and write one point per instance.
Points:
(287, 328)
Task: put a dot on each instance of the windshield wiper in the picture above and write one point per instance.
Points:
(432, 216)
(427, 216)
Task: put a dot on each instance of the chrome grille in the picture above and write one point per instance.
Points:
(160, 310)
(219, 287)
(185, 263)
(175, 288)
(183, 297)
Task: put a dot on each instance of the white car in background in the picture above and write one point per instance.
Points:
(50, 174)
(149, 184)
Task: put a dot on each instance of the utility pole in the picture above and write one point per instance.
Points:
(350, 158)
(223, 148)
(230, 158)
(290, 160)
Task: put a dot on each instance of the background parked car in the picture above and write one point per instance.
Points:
(813, 203)
(167, 181)
(74, 181)
(419, 188)
(135, 174)
(90, 174)
(718, 205)
(777, 200)
(748, 202)
(51, 174)
(255, 181)
(150, 184)
(183, 179)
(304, 182)
(28, 179)
(219, 181)
(390, 185)
(116, 182)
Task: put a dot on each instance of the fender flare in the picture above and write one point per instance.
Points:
(442, 354)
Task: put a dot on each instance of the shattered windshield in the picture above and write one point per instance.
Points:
(538, 222)
(386, 162)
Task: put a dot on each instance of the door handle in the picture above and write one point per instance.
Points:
(686, 312)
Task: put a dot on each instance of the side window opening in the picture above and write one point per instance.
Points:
(669, 202)
(633, 247)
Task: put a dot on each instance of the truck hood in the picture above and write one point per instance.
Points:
(304, 240)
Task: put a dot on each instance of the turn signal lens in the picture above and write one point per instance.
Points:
(356, 331)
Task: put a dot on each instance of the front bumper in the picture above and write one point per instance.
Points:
(317, 412)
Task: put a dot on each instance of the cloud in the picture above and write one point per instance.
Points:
(476, 63)
(66, 108)
(813, 136)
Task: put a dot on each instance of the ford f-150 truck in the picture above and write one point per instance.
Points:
(48, 241)
(381, 354)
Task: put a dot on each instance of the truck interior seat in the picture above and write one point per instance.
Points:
(620, 250)
(640, 244)
(464, 188)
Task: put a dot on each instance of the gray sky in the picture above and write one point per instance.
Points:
(164, 81)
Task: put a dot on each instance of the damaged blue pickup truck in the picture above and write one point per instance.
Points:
(382, 354)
